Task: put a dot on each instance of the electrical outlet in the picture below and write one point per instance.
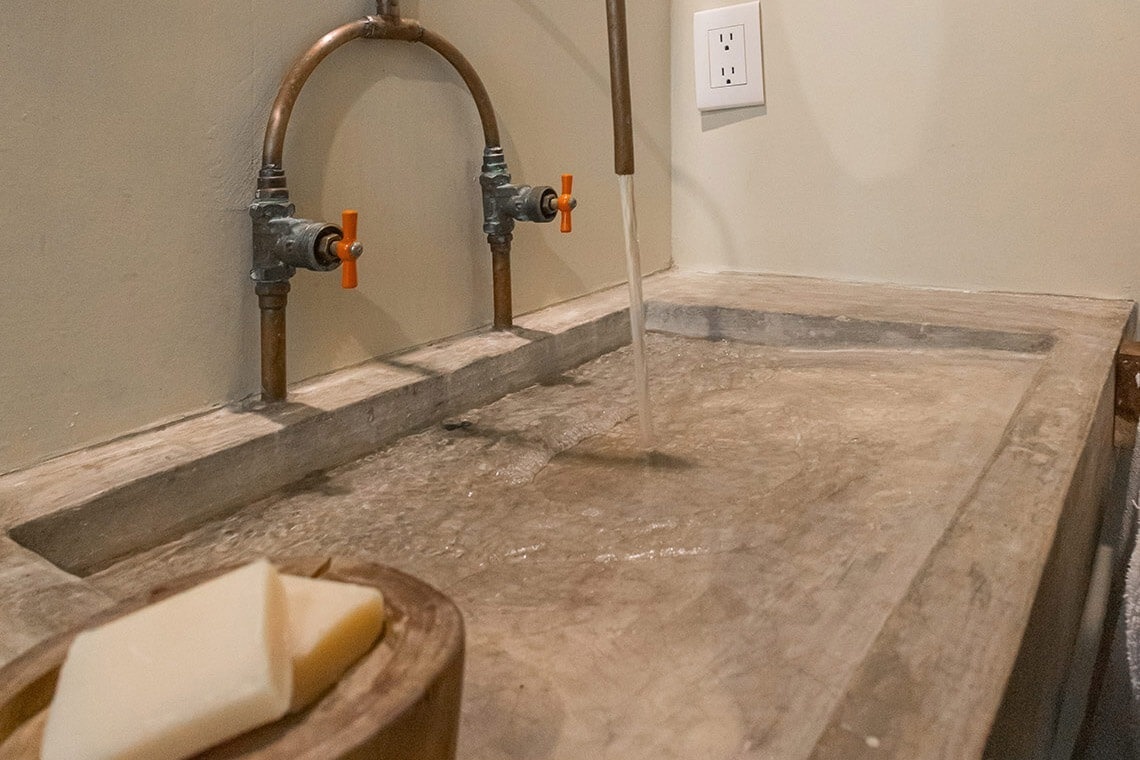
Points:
(728, 65)
(729, 57)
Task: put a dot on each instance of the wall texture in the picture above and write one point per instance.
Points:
(966, 145)
(130, 140)
(962, 144)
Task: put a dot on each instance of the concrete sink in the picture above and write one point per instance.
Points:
(863, 499)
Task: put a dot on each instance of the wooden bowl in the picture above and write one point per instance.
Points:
(398, 702)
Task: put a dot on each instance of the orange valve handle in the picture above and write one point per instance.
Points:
(344, 250)
(566, 201)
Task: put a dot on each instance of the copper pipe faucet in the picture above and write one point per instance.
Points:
(619, 87)
(282, 242)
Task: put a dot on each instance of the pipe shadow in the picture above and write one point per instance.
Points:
(633, 459)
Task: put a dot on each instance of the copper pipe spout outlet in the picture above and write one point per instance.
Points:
(619, 87)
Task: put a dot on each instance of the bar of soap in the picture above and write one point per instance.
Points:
(178, 676)
(332, 625)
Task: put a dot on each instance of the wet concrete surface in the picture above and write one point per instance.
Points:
(836, 550)
(38, 600)
(710, 599)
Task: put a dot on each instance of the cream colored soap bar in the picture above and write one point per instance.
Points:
(174, 678)
(331, 625)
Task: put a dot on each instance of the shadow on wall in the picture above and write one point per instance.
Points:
(714, 120)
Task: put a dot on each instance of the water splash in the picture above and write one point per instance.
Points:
(636, 310)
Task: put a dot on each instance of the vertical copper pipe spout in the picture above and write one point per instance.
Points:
(271, 300)
(389, 10)
(619, 87)
(501, 272)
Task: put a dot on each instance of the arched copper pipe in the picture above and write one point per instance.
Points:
(387, 25)
(290, 89)
(376, 28)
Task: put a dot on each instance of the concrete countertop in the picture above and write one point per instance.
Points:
(1002, 547)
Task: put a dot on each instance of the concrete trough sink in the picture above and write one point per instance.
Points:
(863, 500)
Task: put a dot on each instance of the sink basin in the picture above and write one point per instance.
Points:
(861, 501)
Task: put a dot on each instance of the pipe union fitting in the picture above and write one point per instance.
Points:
(535, 204)
(305, 243)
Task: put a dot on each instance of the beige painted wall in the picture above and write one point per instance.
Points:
(962, 144)
(131, 134)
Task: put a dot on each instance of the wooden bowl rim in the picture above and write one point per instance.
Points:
(35, 668)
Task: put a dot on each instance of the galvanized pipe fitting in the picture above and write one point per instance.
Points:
(282, 242)
(505, 203)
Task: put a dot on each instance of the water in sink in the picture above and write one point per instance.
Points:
(707, 600)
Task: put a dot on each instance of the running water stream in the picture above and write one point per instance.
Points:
(636, 310)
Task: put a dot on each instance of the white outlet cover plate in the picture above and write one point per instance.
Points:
(713, 95)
